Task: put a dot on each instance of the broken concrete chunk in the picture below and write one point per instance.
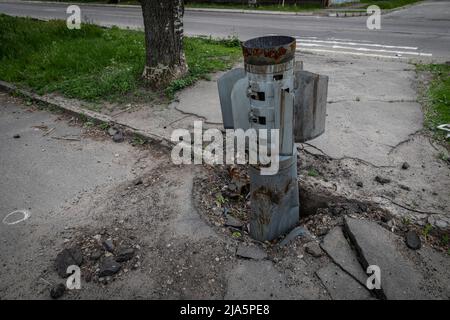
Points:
(441, 224)
(97, 254)
(296, 232)
(313, 249)
(66, 258)
(382, 180)
(112, 131)
(337, 247)
(413, 240)
(125, 254)
(250, 252)
(109, 267)
(377, 246)
(231, 221)
(108, 244)
(340, 285)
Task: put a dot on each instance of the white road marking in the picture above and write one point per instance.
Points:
(357, 48)
(350, 52)
(300, 45)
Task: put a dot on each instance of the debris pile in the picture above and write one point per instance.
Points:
(102, 257)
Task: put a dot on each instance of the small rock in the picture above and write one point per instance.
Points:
(57, 291)
(97, 254)
(109, 267)
(382, 180)
(405, 165)
(108, 244)
(231, 221)
(124, 254)
(118, 137)
(413, 240)
(404, 187)
(135, 265)
(138, 182)
(441, 224)
(360, 184)
(88, 276)
(313, 249)
(16, 136)
(66, 258)
(112, 131)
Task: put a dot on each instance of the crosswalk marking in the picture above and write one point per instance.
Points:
(358, 48)
(351, 53)
(356, 44)
(363, 49)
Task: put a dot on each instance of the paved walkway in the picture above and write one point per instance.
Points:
(372, 107)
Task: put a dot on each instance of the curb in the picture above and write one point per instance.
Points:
(77, 111)
(343, 14)
(262, 12)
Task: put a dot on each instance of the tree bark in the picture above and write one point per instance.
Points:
(163, 24)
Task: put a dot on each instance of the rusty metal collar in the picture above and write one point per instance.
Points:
(269, 50)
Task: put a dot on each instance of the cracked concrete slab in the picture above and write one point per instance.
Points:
(340, 285)
(259, 280)
(400, 279)
(337, 247)
(201, 100)
(368, 130)
(370, 80)
(437, 271)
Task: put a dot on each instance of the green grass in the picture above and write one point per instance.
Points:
(389, 4)
(94, 63)
(437, 97)
(313, 173)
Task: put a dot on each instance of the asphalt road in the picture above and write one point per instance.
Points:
(421, 31)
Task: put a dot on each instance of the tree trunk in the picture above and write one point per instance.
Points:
(163, 24)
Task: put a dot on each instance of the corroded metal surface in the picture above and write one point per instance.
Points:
(274, 202)
(269, 50)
